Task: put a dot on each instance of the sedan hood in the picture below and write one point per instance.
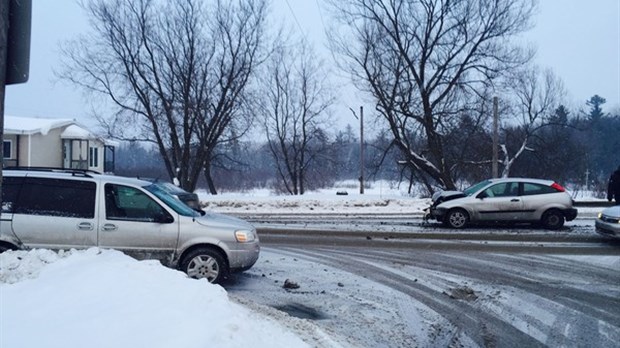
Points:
(613, 211)
(443, 196)
(211, 219)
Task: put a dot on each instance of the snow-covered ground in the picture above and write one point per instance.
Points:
(102, 298)
(381, 197)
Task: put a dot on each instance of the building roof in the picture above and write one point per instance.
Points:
(33, 125)
(39, 125)
(76, 132)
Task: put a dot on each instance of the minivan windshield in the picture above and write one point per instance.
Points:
(475, 188)
(172, 201)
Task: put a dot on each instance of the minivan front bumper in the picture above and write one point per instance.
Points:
(243, 256)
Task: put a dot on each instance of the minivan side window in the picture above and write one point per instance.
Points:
(57, 197)
(131, 204)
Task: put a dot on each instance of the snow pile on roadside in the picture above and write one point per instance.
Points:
(102, 298)
(381, 197)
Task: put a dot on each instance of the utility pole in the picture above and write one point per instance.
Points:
(361, 118)
(495, 139)
(4, 33)
(361, 150)
(15, 18)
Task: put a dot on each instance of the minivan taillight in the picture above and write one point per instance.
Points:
(558, 187)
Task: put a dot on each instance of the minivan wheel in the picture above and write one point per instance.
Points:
(457, 218)
(553, 219)
(205, 263)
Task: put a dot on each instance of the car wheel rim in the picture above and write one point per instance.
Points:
(457, 219)
(553, 220)
(203, 266)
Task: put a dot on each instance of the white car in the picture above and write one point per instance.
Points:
(505, 200)
(608, 222)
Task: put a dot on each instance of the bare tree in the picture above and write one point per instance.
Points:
(176, 73)
(534, 97)
(295, 112)
(425, 61)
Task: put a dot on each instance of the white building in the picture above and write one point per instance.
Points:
(55, 143)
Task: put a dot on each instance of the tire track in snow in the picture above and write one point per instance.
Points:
(578, 315)
(485, 329)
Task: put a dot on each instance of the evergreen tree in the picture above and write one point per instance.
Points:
(595, 103)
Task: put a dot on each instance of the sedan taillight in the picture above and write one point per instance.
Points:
(558, 187)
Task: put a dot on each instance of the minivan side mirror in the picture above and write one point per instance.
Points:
(163, 218)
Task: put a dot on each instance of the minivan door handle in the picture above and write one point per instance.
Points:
(85, 226)
(109, 227)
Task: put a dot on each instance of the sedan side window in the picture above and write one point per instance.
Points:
(131, 204)
(537, 189)
(505, 189)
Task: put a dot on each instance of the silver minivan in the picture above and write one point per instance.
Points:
(64, 209)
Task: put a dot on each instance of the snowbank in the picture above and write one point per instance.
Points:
(102, 298)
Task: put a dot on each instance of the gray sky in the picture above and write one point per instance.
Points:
(579, 40)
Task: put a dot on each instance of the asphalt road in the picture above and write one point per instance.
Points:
(512, 286)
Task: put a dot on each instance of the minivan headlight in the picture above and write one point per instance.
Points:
(245, 236)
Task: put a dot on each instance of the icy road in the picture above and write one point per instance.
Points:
(395, 281)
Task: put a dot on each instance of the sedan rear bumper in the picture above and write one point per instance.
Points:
(570, 214)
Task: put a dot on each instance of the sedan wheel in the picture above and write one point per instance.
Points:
(457, 218)
(553, 219)
(205, 263)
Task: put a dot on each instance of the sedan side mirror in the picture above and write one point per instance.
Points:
(482, 195)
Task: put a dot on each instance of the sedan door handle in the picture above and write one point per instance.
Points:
(85, 226)
(515, 200)
(109, 227)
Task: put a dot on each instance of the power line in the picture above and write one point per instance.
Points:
(295, 18)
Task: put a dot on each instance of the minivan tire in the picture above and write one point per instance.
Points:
(553, 219)
(205, 263)
(456, 218)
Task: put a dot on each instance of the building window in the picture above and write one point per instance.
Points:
(94, 157)
(7, 149)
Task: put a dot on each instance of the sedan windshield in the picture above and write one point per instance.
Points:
(171, 201)
(475, 188)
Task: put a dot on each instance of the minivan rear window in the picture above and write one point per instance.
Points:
(57, 197)
(10, 191)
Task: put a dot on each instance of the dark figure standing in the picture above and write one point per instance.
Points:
(613, 188)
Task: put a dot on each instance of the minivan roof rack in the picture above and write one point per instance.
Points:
(74, 171)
